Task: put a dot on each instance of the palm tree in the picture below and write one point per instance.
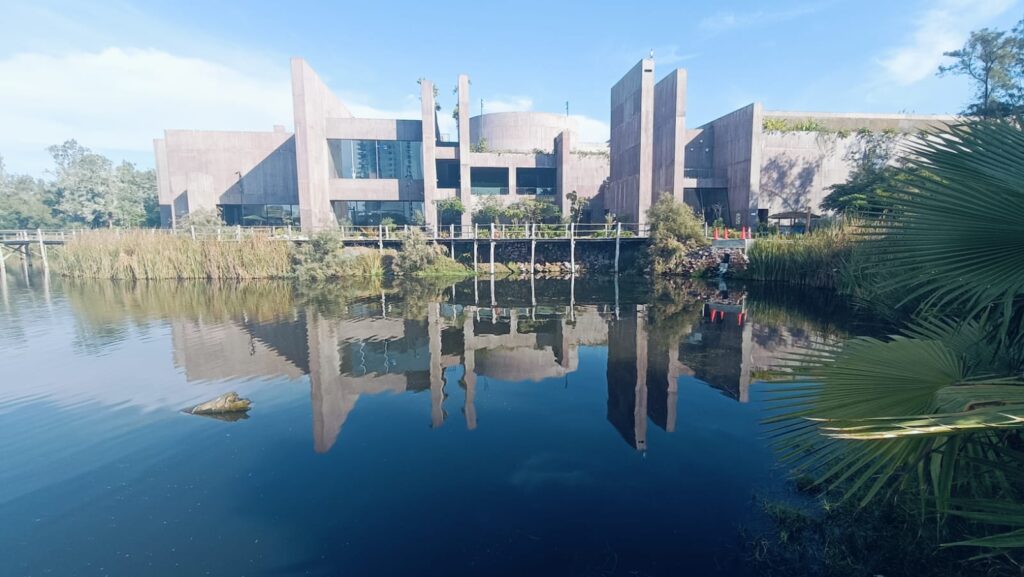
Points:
(939, 407)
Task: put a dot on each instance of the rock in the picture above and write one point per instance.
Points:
(224, 404)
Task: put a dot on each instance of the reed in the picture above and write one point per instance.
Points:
(819, 259)
(135, 255)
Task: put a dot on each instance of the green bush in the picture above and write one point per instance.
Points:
(676, 231)
(421, 257)
(325, 257)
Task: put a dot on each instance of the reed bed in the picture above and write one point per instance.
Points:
(135, 255)
(818, 259)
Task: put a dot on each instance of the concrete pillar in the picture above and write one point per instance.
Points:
(429, 147)
(469, 375)
(437, 394)
(563, 168)
(492, 252)
(465, 192)
(618, 239)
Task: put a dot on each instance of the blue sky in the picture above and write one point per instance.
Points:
(114, 74)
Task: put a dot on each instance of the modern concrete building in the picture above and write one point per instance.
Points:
(336, 168)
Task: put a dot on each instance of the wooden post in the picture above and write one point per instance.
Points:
(451, 235)
(492, 253)
(618, 238)
(238, 232)
(42, 251)
(533, 255)
(218, 233)
(380, 237)
(192, 229)
(572, 249)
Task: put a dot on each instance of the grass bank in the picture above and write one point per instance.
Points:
(133, 255)
(148, 255)
(819, 259)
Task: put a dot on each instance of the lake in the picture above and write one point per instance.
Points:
(513, 427)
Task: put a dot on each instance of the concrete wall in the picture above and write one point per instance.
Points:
(199, 169)
(315, 107)
(522, 131)
(798, 168)
(853, 121)
(736, 154)
(632, 118)
(669, 136)
(429, 132)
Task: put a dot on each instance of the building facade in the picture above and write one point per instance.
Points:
(337, 168)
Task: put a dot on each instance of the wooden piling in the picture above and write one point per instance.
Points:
(618, 238)
(492, 253)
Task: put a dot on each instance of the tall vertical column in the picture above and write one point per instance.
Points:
(429, 113)
(563, 146)
(465, 190)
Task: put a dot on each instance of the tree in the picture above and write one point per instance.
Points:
(449, 210)
(90, 190)
(532, 211)
(992, 60)
(488, 210)
(873, 173)
(577, 206)
(676, 230)
(23, 202)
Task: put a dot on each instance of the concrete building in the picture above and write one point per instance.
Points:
(335, 167)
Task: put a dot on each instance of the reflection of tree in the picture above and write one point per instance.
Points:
(788, 180)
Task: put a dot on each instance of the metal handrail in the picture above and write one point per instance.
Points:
(497, 231)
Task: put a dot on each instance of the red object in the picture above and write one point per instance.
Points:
(716, 233)
(726, 233)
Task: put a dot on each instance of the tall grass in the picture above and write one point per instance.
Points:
(819, 259)
(132, 255)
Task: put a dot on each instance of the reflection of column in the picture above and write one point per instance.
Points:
(746, 356)
(469, 375)
(436, 370)
(331, 401)
(640, 410)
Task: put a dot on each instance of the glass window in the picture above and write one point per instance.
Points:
(254, 214)
(373, 212)
(397, 159)
(488, 181)
(539, 181)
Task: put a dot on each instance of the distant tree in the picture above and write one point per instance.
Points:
(23, 202)
(88, 189)
(992, 60)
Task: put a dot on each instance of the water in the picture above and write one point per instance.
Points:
(586, 427)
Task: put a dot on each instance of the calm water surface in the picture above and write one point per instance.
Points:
(514, 428)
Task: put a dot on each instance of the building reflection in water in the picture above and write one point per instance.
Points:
(374, 346)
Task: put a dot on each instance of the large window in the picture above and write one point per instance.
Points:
(535, 181)
(396, 159)
(448, 175)
(259, 214)
(373, 212)
(488, 181)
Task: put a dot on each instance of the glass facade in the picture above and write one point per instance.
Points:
(536, 181)
(259, 214)
(372, 212)
(393, 159)
(488, 181)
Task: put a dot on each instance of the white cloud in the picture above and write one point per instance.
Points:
(941, 28)
(120, 99)
(591, 129)
(730, 20)
(506, 104)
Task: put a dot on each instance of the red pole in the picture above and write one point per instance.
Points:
(716, 233)
(726, 233)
